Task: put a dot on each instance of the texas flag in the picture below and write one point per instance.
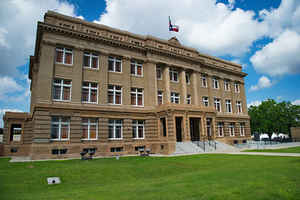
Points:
(173, 27)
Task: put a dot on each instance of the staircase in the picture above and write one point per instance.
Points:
(203, 147)
(187, 148)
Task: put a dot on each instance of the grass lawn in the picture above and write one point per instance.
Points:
(285, 150)
(196, 177)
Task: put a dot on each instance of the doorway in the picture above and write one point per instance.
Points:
(195, 129)
(178, 121)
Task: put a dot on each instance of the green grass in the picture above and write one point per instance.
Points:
(285, 150)
(197, 177)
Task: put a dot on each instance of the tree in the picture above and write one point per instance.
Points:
(271, 116)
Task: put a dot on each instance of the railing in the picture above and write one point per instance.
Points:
(200, 144)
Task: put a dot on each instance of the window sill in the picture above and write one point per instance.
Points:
(90, 68)
(89, 139)
(174, 81)
(115, 139)
(114, 104)
(138, 106)
(86, 102)
(64, 64)
(138, 76)
(59, 140)
(57, 100)
(115, 72)
(138, 138)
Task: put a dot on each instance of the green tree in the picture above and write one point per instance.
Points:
(271, 116)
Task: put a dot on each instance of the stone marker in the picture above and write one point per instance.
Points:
(53, 180)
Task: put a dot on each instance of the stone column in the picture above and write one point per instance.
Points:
(150, 88)
(166, 79)
(195, 85)
(77, 76)
(183, 86)
(126, 80)
(103, 79)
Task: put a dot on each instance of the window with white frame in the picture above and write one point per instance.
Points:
(114, 64)
(175, 97)
(114, 94)
(221, 129)
(215, 83)
(64, 56)
(231, 129)
(159, 97)
(188, 78)
(60, 128)
(188, 99)
(138, 129)
(137, 96)
(208, 127)
(89, 128)
(158, 73)
(136, 68)
(90, 60)
(115, 129)
(242, 129)
(205, 101)
(173, 75)
(228, 105)
(239, 107)
(62, 90)
(89, 92)
(217, 102)
(236, 87)
(226, 85)
(204, 80)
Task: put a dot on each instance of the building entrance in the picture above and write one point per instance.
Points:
(195, 129)
(178, 129)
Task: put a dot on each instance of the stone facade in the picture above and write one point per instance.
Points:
(93, 86)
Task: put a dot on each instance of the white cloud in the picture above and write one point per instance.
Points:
(18, 29)
(8, 85)
(296, 102)
(211, 27)
(254, 103)
(280, 56)
(263, 82)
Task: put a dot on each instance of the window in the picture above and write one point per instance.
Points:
(217, 104)
(158, 73)
(215, 83)
(239, 107)
(90, 60)
(89, 127)
(208, 127)
(226, 85)
(136, 68)
(114, 64)
(89, 92)
(62, 89)
(188, 99)
(221, 129)
(138, 129)
(114, 94)
(204, 80)
(205, 101)
(60, 128)
(175, 98)
(64, 56)
(137, 96)
(231, 129)
(237, 87)
(173, 75)
(160, 97)
(116, 149)
(163, 127)
(228, 105)
(242, 129)
(115, 129)
(188, 78)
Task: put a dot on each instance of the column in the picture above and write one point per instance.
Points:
(166, 78)
(77, 76)
(150, 88)
(195, 85)
(183, 86)
(126, 81)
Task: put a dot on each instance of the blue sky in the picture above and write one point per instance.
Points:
(262, 35)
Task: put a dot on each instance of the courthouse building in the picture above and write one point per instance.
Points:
(96, 87)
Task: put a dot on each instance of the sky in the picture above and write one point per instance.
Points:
(261, 35)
